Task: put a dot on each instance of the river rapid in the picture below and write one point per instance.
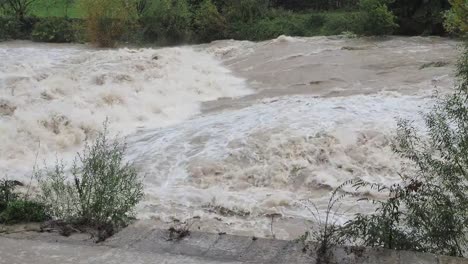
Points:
(230, 133)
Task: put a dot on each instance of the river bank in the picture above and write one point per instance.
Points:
(143, 243)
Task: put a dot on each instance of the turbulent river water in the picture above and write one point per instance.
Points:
(227, 133)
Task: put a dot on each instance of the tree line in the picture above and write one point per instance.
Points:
(171, 22)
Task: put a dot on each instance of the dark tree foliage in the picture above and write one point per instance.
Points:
(296, 5)
(314, 4)
(142, 6)
(168, 21)
(419, 16)
(374, 18)
(208, 22)
(53, 29)
(246, 10)
(16, 208)
(220, 4)
(414, 17)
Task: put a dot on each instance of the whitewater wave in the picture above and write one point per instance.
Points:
(267, 157)
(53, 99)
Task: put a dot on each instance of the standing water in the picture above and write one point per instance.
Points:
(229, 132)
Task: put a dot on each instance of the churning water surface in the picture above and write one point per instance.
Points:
(226, 133)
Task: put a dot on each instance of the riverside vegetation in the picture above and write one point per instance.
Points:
(98, 194)
(169, 22)
(427, 211)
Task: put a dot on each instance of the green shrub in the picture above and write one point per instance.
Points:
(16, 209)
(326, 234)
(419, 17)
(12, 28)
(142, 7)
(315, 21)
(220, 4)
(8, 27)
(375, 18)
(246, 10)
(23, 211)
(103, 189)
(299, 5)
(337, 23)
(53, 30)
(168, 22)
(26, 26)
(59, 194)
(276, 23)
(78, 27)
(456, 18)
(209, 24)
(107, 20)
(428, 211)
(7, 193)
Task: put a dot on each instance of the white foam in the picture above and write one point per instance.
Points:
(63, 95)
(272, 154)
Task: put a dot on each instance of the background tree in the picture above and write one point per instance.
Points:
(168, 21)
(19, 8)
(420, 16)
(314, 4)
(208, 22)
(107, 20)
(142, 6)
(66, 6)
(246, 10)
(375, 18)
(457, 17)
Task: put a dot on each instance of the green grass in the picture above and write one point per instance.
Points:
(47, 8)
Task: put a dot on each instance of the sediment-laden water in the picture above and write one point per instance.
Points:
(230, 132)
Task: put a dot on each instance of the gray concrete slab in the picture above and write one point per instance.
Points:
(408, 257)
(362, 255)
(145, 244)
(451, 260)
(18, 251)
(264, 250)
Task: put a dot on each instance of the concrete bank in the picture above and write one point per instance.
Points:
(242, 249)
(140, 244)
(20, 251)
